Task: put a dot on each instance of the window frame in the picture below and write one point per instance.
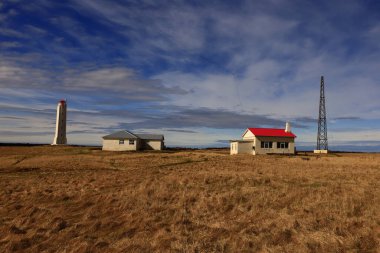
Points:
(121, 142)
(131, 142)
(283, 145)
(267, 144)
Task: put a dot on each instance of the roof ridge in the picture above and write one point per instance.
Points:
(130, 133)
(266, 128)
(121, 134)
(148, 133)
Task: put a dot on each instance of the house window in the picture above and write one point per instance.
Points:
(131, 142)
(121, 142)
(283, 145)
(266, 144)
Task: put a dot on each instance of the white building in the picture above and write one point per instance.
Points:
(60, 127)
(126, 140)
(264, 141)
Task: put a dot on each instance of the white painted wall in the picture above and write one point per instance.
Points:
(241, 148)
(233, 148)
(113, 145)
(274, 149)
(248, 135)
(155, 145)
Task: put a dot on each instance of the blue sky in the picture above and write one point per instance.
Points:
(199, 72)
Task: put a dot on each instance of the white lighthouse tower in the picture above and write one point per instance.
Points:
(60, 128)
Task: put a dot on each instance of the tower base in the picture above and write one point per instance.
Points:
(320, 151)
(59, 141)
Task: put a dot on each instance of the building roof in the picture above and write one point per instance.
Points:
(271, 132)
(121, 135)
(131, 136)
(158, 137)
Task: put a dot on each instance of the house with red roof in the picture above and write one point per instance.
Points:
(264, 141)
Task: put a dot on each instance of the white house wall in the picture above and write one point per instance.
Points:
(248, 135)
(241, 148)
(113, 145)
(274, 149)
(155, 145)
(233, 148)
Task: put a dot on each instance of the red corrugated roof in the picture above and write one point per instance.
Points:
(272, 132)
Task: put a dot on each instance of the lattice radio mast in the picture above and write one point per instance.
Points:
(322, 143)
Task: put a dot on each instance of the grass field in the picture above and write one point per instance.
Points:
(80, 199)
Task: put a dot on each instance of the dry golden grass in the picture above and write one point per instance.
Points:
(75, 199)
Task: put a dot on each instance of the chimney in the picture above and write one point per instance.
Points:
(287, 127)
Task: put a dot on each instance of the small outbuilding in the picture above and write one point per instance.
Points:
(264, 141)
(126, 140)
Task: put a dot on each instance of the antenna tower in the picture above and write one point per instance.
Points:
(322, 123)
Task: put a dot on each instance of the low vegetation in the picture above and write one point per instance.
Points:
(79, 199)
